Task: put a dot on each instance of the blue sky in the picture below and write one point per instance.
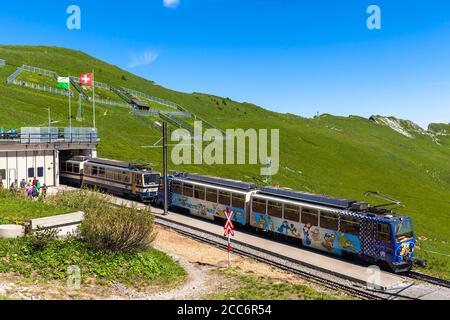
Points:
(298, 56)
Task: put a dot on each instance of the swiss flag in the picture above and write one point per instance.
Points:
(86, 79)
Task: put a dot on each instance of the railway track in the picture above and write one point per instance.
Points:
(428, 279)
(319, 277)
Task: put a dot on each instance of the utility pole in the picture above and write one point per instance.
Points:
(49, 125)
(268, 179)
(49, 119)
(165, 165)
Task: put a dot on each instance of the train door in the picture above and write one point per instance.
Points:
(12, 176)
(3, 167)
(385, 243)
(368, 234)
(133, 184)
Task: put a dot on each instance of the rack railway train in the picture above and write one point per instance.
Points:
(338, 226)
(116, 177)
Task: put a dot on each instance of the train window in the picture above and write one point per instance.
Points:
(292, 213)
(329, 220)
(349, 225)
(139, 179)
(384, 233)
(238, 201)
(177, 187)
(199, 193)
(116, 176)
(94, 171)
(259, 206)
(76, 168)
(69, 167)
(224, 198)
(310, 216)
(126, 177)
(150, 179)
(275, 209)
(101, 172)
(188, 190)
(211, 195)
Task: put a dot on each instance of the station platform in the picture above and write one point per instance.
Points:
(384, 280)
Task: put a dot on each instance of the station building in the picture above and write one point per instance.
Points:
(36, 152)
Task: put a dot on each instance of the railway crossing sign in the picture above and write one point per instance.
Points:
(229, 232)
(229, 226)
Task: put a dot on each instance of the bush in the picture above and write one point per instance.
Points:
(118, 229)
(81, 200)
(51, 262)
(41, 238)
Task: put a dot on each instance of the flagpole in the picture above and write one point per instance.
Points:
(70, 110)
(93, 96)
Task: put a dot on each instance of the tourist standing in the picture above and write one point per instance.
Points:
(44, 191)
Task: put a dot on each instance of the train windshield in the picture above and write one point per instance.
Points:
(404, 230)
(150, 179)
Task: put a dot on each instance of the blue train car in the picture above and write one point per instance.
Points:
(209, 197)
(338, 226)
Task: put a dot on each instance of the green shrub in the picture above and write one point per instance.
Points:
(118, 229)
(51, 262)
(105, 227)
(81, 200)
(41, 238)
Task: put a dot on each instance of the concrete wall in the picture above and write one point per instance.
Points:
(18, 165)
(25, 161)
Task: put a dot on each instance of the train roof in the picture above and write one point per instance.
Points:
(120, 164)
(80, 158)
(108, 162)
(307, 197)
(236, 184)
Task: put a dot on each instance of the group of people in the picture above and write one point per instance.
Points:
(33, 188)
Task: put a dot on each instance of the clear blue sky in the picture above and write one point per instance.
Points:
(298, 56)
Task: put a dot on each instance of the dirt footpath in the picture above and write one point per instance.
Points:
(207, 257)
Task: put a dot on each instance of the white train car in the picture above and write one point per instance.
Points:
(72, 171)
(122, 178)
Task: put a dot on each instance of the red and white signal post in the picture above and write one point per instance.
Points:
(229, 232)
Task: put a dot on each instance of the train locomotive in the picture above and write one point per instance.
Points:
(338, 226)
(116, 177)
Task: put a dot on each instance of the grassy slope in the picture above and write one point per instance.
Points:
(333, 155)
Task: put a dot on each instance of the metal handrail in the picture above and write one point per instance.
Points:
(55, 135)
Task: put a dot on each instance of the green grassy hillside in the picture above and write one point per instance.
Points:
(341, 156)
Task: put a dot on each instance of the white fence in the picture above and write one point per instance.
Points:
(40, 87)
(40, 71)
(177, 114)
(14, 75)
(97, 84)
(151, 112)
(110, 103)
(152, 98)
